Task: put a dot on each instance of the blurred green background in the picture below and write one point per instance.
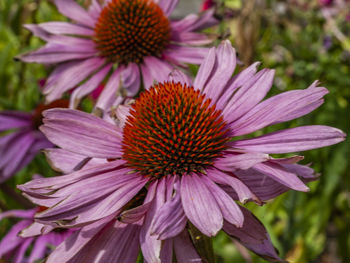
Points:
(303, 41)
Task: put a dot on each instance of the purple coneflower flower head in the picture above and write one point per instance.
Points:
(22, 139)
(14, 248)
(325, 2)
(112, 39)
(179, 143)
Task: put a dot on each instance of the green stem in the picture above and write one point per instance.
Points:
(203, 244)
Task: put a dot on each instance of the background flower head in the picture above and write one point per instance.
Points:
(22, 139)
(15, 248)
(109, 41)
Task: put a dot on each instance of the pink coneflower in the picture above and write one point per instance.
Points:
(178, 143)
(14, 248)
(132, 40)
(22, 139)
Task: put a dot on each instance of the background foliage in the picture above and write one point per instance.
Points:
(303, 43)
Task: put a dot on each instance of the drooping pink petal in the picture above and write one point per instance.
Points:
(150, 245)
(12, 156)
(242, 189)
(184, 249)
(170, 219)
(200, 206)
(262, 185)
(20, 252)
(39, 249)
(74, 243)
(282, 176)
(229, 209)
(136, 214)
(166, 254)
(253, 236)
(117, 242)
(11, 240)
(293, 139)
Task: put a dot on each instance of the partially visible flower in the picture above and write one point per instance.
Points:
(15, 248)
(134, 41)
(179, 144)
(325, 2)
(22, 139)
(327, 42)
(207, 4)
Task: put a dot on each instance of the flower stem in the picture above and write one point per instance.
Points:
(203, 244)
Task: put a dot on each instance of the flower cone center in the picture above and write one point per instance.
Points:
(129, 30)
(37, 118)
(173, 129)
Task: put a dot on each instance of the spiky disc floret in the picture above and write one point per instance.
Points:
(172, 129)
(127, 31)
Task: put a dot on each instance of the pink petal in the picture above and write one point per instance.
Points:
(224, 67)
(200, 206)
(282, 176)
(82, 133)
(168, 6)
(250, 94)
(71, 77)
(242, 189)
(229, 209)
(234, 161)
(66, 28)
(205, 70)
(74, 11)
(184, 249)
(293, 140)
(178, 76)
(150, 245)
(254, 236)
(192, 55)
(170, 219)
(283, 107)
(89, 86)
